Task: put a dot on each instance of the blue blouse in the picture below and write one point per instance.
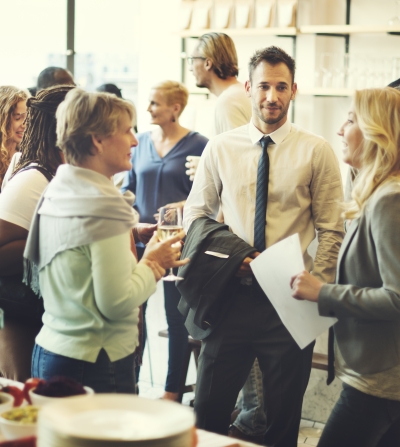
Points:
(158, 181)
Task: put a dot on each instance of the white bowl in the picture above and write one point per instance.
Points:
(15, 429)
(39, 400)
(6, 402)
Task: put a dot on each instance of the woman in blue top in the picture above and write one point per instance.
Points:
(158, 179)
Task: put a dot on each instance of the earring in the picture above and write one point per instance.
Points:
(173, 119)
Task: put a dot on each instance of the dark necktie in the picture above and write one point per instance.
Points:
(262, 196)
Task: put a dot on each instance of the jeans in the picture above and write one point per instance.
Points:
(251, 419)
(103, 376)
(359, 419)
(177, 337)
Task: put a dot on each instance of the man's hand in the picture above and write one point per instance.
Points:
(305, 286)
(245, 269)
(143, 232)
(166, 253)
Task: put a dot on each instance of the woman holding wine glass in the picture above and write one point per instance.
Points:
(79, 251)
(158, 179)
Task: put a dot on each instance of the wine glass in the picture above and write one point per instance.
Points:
(169, 224)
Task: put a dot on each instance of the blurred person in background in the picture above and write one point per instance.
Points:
(12, 124)
(89, 278)
(158, 179)
(40, 158)
(54, 76)
(214, 64)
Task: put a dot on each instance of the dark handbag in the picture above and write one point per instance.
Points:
(18, 300)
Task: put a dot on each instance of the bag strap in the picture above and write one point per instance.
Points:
(49, 176)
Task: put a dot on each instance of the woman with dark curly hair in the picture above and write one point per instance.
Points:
(38, 163)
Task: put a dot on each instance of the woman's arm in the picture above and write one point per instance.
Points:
(119, 289)
(12, 245)
(369, 303)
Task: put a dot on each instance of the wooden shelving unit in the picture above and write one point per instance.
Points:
(348, 29)
(242, 32)
(345, 92)
(292, 31)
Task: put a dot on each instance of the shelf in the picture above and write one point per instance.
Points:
(285, 31)
(348, 29)
(326, 92)
(292, 31)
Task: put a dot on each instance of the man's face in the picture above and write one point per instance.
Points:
(199, 70)
(270, 90)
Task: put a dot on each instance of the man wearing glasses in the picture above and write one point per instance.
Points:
(214, 64)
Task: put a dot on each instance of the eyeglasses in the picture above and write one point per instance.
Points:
(190, 59)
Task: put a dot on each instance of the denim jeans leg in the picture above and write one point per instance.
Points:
(359, 419)
(251, 419)
(46, 364)
(103, 376)
(177, 337)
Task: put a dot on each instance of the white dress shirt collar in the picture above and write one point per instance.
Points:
(277, 136)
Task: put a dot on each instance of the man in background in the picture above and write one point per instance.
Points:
(214, 64)
(54, 76)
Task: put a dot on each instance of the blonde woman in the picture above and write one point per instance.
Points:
(12, 124)
(158, 179)
(80, 244)
(366, 296)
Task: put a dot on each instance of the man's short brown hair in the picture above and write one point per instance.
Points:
(272, 55)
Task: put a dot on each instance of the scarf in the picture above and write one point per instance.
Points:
(79, 207)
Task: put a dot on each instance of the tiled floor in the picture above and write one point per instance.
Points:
(154, 369)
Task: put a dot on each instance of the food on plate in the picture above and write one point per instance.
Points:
(59, 387)
(23, 415)
(16, 392)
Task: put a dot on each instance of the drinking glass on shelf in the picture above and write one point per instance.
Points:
(326, 68)
(169, 224)
(395, 21)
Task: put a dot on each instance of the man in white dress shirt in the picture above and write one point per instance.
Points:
(214, 64)
(304, 191)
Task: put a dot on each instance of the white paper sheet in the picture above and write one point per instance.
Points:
(273, 270)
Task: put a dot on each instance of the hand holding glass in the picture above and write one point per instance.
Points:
(169, 224)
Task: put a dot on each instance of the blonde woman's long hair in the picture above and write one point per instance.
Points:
(9, 97)
(378, 116)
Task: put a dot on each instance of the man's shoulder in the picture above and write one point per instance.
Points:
(235, 93)
(230, 135)
(300, 132)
